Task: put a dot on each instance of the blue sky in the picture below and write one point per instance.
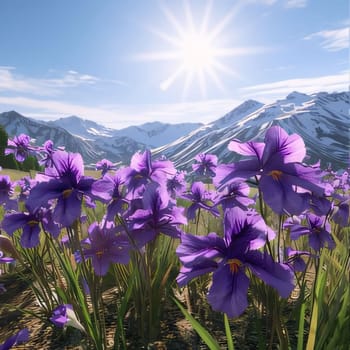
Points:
(125, 63)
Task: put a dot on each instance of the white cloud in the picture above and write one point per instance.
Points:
(279, 68)
(296, 3)
(279, 89)
(332, 40)
(10, 81)
(119, 116)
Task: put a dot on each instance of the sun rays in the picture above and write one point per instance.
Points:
(195, 50)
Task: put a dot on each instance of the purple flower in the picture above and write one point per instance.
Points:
(5, 259)
(30, 222)
(59, 315)
(109, 189)
(25, 184)
(6, 192)
(295, 259)
(318, 230)
(63, 315)
(20, 147)
(234, 194)
(206, 164)
(229, 258)
(67, 184)
(143, 170)
(104, 165)
(105, 247)
(341, 212)
(158, 215)
(176, 185)
(47, 151)
(319, 205)
(20, 337)
(276, 164)
(200, 198)
(341, 182)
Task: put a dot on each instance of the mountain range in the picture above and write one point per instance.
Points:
(321, 119)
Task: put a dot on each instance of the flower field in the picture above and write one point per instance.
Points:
(257, 249)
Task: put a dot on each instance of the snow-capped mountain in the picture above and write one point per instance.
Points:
(152, 135)
(15, 124)
(86, 129)
(321, 119)
(116, 149)
(157, 134)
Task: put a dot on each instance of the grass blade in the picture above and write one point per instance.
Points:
(202, 332)
(228, 334)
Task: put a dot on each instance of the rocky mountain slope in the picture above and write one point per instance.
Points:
(321, 119)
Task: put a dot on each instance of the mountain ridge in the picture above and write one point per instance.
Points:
(321, 119)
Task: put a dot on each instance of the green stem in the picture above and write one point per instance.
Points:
(229, 336)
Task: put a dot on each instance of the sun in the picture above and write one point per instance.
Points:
(194, 49)
(197, 53)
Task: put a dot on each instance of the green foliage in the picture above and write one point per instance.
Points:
(30, 163)
(208, 339)
(332, 296)
(9, 161)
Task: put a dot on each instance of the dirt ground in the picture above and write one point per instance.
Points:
(176, 332)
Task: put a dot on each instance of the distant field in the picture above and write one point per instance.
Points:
(17, 174)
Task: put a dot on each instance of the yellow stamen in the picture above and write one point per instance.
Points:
(99, 253)
(67, 193)
(32, 223)
(234, 265)
(276, 174)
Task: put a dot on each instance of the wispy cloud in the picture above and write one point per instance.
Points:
(10, 81)
(296, 3)
(278, 89)
(332, 40)
(279, 68)
(118, 116)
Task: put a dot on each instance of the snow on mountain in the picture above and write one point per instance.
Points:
(237, 114)
(81, 127)
(116, 149)
(156, 134)
(15, 124)
(114, 143)
(152, 134)
(322, 120)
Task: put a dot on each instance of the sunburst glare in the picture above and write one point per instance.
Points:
(195, 49)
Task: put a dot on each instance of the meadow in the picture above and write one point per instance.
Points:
(247, 255)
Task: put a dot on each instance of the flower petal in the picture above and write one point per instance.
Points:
(228, 292)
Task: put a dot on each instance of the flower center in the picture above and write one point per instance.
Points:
(234, 265)
(32, 223)
(100, 253)
(276, 174)
(67, 193)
